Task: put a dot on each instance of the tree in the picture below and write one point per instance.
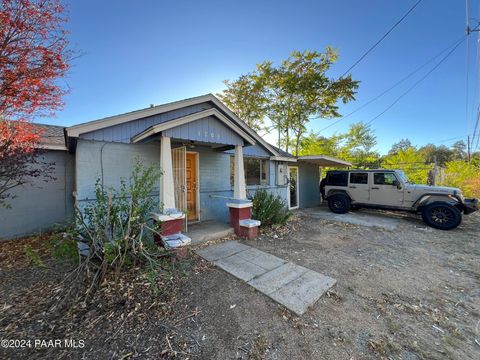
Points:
(245, 97)
(411, 161)
(441, 154)
(355, 146)
(359, 142)
(459, 150)
(19, 157)
(33, 56)
(292, 93)
(315, 144)
(403, 144)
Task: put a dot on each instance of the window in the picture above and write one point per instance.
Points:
(384, 179)
(337, 178)
(255, 170)
(358, 178)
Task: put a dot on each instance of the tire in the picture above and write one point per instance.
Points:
(441, 215)
(339, 203)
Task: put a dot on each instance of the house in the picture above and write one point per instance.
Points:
(209, 158)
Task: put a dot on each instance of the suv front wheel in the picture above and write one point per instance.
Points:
(339, 203)
(441, 215)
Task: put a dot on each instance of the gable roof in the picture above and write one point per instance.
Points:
(77, 130)
(155, 129)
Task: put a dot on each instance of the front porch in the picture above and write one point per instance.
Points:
(204, 231)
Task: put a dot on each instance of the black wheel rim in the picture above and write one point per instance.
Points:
(338, 204)
(442, 216)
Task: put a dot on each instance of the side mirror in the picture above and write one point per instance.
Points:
(397, 184)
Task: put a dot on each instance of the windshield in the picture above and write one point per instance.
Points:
(403, 177)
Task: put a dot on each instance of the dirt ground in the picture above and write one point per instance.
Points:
(411, 293)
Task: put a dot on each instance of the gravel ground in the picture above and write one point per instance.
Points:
(411, 293)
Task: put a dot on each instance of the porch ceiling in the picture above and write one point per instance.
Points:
(323, 160)
(217, 135)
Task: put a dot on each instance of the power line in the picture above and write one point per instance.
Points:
(394, 85)
(450, 139)
(419, 81)
(382, 38)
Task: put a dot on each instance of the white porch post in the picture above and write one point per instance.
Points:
(239, 189)
(167, 196)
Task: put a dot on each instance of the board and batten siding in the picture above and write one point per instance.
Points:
(39, 205)
(124, 132)
(208, 130)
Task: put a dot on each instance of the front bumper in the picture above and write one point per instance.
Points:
(470, 206)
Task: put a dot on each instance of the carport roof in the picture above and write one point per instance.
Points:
(324, 160)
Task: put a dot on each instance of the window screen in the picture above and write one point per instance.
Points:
(384, 179)
(358, 178)
(337, 178)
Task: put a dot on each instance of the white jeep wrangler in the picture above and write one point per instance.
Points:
(441, 207)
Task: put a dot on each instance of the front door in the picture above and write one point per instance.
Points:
(293, 187)
(192, 185)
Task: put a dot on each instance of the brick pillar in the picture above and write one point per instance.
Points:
(239, 211)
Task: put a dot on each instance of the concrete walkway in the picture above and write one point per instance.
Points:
(362, 217)
(208, 230)
(291, 285)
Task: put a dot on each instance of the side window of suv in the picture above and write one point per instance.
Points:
(339, 178)
(384, 179)
(358, 178)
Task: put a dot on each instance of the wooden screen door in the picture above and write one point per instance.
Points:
(192, 185)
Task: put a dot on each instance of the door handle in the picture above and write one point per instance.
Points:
(375, 188)
(352, 187)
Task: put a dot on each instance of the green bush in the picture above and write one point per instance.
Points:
(115, 229)
(270, 209)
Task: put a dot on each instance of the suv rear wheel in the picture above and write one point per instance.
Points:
(441, 215)
(339, 203)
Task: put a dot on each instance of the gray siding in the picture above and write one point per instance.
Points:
(124, 132)
(253, 150)
(209, 130)
(40, 205)
(309, 191)
(110, 162)
(215, 189)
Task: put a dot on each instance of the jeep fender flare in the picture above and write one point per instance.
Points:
(428, 198)
(338, 191)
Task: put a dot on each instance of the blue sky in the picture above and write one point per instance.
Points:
(137, 53)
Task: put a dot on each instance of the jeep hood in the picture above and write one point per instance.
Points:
(435, 189)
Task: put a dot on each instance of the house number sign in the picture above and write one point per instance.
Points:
(208, 135)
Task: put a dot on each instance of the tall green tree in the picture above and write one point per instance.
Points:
(459, 150)
(403, 144)
(356, 145)
(245, 96)
(292, 93)
(411, 161)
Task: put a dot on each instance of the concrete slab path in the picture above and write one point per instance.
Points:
(358, 217)
(293, 286)
(208, 230)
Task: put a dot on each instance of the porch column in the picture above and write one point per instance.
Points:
(239, 189)
(167, 196)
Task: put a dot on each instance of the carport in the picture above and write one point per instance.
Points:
(309, 174)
